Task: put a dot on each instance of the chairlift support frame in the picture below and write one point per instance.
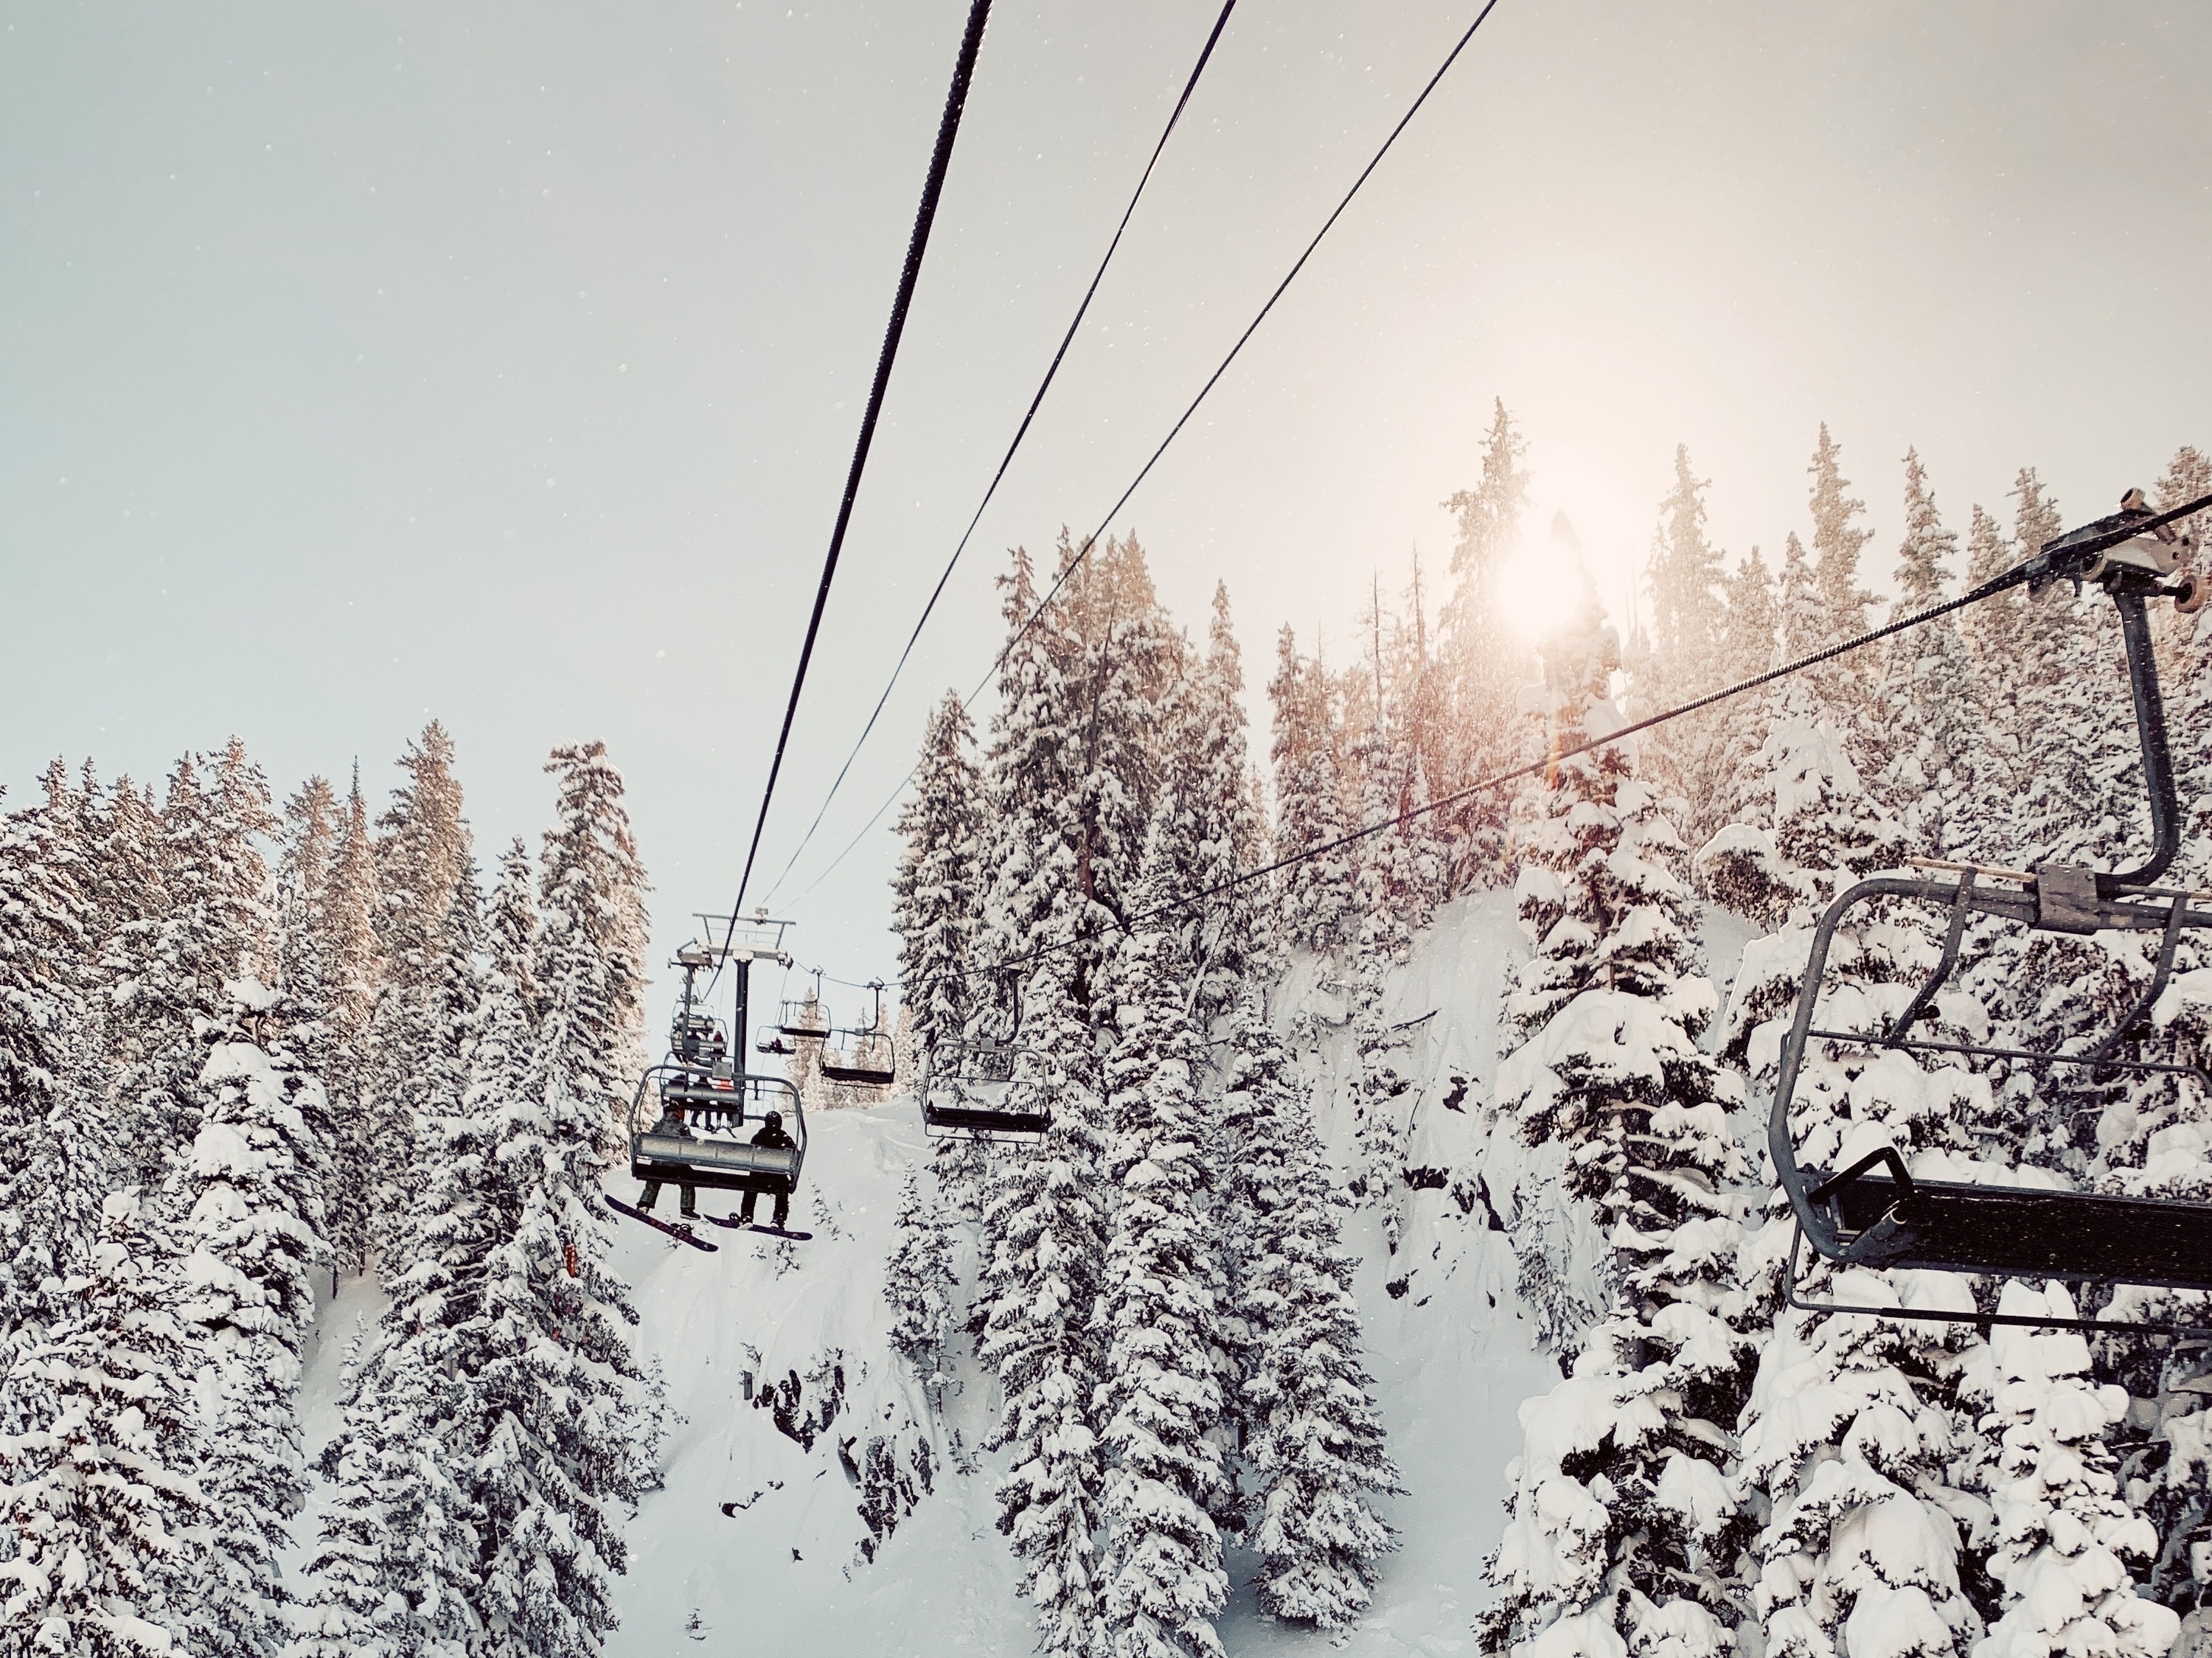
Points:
(1858, 1217)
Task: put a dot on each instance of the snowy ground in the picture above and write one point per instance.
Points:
(783, 1569)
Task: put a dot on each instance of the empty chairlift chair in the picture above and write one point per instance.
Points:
(867, 1057)
(1875, 1213)
(967, 1087)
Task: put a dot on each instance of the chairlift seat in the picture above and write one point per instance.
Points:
(2011, 1232)
(875, 1076)
(983, 1120)
(703, 1157)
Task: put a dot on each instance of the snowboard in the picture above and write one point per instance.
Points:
(681, 1234)
(736, 1226)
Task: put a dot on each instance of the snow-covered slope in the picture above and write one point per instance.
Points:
(798, 1423)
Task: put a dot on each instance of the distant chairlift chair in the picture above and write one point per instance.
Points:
(1874, 1213)
(867, 1057)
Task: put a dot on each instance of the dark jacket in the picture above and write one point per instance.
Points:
(773, 1137)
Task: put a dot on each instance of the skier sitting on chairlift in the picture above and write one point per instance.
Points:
(772, 1137)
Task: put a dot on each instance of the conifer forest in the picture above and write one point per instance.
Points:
(1469, 914)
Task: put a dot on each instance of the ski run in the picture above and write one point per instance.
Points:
(1400, 1266)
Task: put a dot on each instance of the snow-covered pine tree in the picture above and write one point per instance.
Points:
(938, 889)
(919, 1281)
(1390, 900)
(1485, 657)
(1688, 757)
(2065, 1542)
(591, 900)
(43, 983)
(1316, 898)
(169, 967)
(1994, 761)
(511, 924)
(1926, 684)
(244, 1204)
(1044, 1230)
(398, 1565)
(1852, 1422)
(1160, 1396)
(1750, 632)
(1837, 538)
(562, 1460)
(99, 1496)
(1220, 833)
(350, 967)
(422, 848)
(1312, 1436)
(1623, 1526)
(1043, 1239)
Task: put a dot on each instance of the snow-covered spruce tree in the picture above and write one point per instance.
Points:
(1750, 634)
(398, 1566)
(919, 1282)
(1994, 761)
(1316, 895)
(1219, 832)
(422, 848)
(1852, 1422)
(100, 1495)
(43, 984)
(1483, 652)
(1623, 1528)
(561, 1462)
(346, 941)
(1312, 1436)
(1926, 684)
(1390, 897)
(1044, 1234)
(1837, 538)
(2187, 477)
(1043, 1241)
(1159, 1397)
(245, 1206)
(2064, 1541)
(591, 897)
(169, 969)
(1689, 756)
(937, 889)
(511, 924)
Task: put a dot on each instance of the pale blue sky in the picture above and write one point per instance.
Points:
(504, 361)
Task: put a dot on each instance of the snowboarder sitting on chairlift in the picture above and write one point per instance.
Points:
(672, 1122)
(772, 1138)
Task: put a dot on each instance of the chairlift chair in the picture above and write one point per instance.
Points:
(1876, 1213)
(853, 1064)
(689, 1113)
(964, 1083)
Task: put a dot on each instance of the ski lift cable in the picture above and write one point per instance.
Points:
(1020, 432)
(1999, 583)
(1212, 380)
(940, 158)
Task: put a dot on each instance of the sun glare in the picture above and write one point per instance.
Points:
(1540, 587)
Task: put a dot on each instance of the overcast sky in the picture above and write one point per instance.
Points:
(504, 361)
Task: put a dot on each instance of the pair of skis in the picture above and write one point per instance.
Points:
(683, 1234)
